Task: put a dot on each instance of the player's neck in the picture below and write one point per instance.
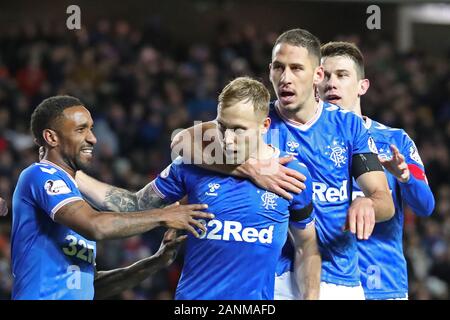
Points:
(58, 160)
(304, 113)
(357, 108)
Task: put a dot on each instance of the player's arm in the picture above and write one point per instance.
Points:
(307, 264)
(377, 205)
(199, 145)
(302, 232)
(411, 178)
(110, 198)
(112, 282)
(82, 218)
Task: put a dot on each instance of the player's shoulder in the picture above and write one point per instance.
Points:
(177, 166)
(39, 170)
(295, 164)
(339, 114)
(395, 135)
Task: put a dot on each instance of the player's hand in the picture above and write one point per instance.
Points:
(183, 217)
(170, 245)
(361, 218)
(272, 175)
(3, 207)
(396, 165)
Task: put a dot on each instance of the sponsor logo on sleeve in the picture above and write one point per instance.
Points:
(56, 187)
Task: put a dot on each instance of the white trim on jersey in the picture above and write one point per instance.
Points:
(62, 204)
(298, 125)
(157, 191)
(367, 122)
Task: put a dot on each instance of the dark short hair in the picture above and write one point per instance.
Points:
(48, 112)
(345, 49)
(301, 38)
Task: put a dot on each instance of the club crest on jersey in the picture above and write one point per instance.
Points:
(56, 187)
(372, 145)
(292, 146)
(385, 154)
(414, 154)
(337, 153)
(269, 200)
(213, 187)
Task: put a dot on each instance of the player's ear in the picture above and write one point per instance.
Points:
(318, 75)
(50, 137)
(266, 125)
(364, 85)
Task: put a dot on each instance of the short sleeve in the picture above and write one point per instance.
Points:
(53, 189)
(169, 184)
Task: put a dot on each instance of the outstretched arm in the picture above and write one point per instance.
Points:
(93, 225)
(110, 198)
(200, 146)
(111, 282)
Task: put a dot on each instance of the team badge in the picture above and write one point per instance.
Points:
(269, 200)
(337, 152)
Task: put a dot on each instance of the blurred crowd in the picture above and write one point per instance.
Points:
(141, 86)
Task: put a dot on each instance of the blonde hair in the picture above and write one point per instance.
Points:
(245, 89)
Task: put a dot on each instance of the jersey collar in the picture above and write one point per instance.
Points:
(298, 125)
(367, 122)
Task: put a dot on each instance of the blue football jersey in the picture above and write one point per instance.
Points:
(49, 260)
(381, 260)
(326, 144)
(236, 258)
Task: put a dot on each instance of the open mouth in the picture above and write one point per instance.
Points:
(286, 96)
(87, 151)
(333, 98)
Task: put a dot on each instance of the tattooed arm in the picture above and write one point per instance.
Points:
(106, 197)
(93, 225)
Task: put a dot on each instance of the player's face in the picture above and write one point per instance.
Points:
(241, 130)
(293, 74)
(341, 84)
(76, 139)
